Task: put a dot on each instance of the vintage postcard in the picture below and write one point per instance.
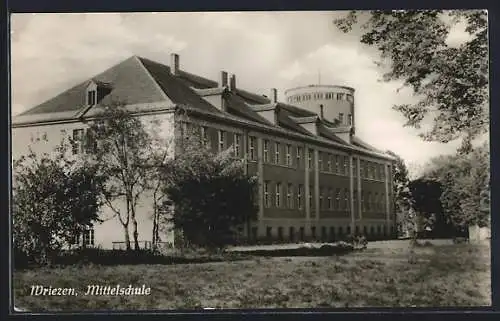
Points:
(250, 160)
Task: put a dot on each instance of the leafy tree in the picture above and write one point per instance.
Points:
(449, 81)
(427, 196)
(54, 200)
(121, 152)
(402, 196)
(466, 186)
(211, 194)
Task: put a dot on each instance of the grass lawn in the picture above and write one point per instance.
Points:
(381, 276)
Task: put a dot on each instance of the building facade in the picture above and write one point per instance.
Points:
(317, 180)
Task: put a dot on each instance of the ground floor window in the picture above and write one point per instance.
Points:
(88, 237)
(348, 230)
(292, 233)
(254, 233)
(301, 233)
(313, 232)
(280, 233)
(269, 232)
(323, 233)
(332, 233)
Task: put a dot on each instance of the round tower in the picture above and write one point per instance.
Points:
(330, 102)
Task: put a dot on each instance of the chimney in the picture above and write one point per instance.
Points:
(232, 82)
(274, 96)
(174, 64)
(223, 79)
(321, 112)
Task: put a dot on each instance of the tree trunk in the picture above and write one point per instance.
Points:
(127, 237)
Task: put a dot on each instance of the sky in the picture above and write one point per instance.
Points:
(53, 52)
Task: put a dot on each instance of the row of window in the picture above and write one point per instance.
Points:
(329, 199)
(288, 155)
(326, 233)
(320, 96)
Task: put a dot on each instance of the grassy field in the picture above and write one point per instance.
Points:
(381, 276)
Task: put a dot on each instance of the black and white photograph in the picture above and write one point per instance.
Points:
(165, 161)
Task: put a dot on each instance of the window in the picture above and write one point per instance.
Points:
(310, 197)
(251, 148)
(77, 144)
(357, 230)
(269, 231)
(372, 231)
(266, 151)
(291, 233)
(361, 171)
(329, 163)
(299, 152)
(324, 236)
(278, 195)
(313, 232)
(310, 158)
(300, 192)
(376, 202)
(320, 161)
(301, 233)
(330, 205)
(341, 231)
(204, 136)
(365, 230)
(341, 118)
(346, 199)
(379, 230)
(237, 145)
(321, 197)
(337, 169)
(289, 196)
(266, 194)
(348, 230)
(349, 98)
(90, 143)
(332, 233)
(254, 233)
(277, 153)
(337, 199)
(288, 155)
(280, 233)
(88, 237)
(355, 198)
(349, 117)
(222, 140)
(91, 97)
(346, 165)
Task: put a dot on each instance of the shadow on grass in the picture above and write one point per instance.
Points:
(121, 257)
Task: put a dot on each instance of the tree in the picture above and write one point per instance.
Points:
(402, 196)
(211, 194)
(466, 186)
(54, 200)
(450, 82)
(121, 152)
(427, 196)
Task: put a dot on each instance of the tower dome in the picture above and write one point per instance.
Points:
(330, 102)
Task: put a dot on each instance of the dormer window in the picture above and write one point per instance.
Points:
(92, 97)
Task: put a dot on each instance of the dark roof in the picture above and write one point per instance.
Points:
(285, 121)
(145, 85)
(173, 88)
(237, 106)
(130, 83)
